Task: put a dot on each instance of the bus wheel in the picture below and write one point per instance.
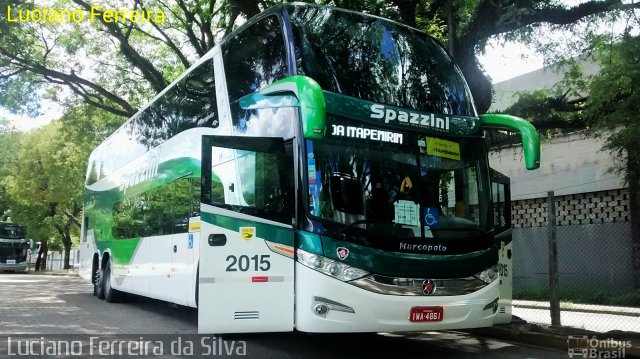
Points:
(110, 295)
(98, 286)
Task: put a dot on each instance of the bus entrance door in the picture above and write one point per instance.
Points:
(245, 281)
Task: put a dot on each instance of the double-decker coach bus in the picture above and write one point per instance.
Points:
(319, 170)
(14, 247)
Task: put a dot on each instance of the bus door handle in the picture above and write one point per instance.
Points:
(175, 248)
(217, 240)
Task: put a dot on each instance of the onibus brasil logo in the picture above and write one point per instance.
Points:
(581, 346)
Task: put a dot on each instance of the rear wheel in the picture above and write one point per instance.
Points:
(98, 286)
(110, 295)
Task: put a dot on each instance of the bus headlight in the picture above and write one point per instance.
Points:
(330, 267)
(488, 275)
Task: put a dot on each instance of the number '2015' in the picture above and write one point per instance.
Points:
(243, 263)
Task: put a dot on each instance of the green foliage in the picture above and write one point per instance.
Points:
(42, 177)
(614, 97)
(548, 111)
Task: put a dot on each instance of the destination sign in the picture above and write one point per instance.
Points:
(367, 134)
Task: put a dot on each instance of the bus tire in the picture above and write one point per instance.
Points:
(98, 287)
(111, 295)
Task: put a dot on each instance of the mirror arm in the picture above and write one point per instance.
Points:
(528, 133)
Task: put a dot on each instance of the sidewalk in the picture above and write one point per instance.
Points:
(574, 307)
(545, 335)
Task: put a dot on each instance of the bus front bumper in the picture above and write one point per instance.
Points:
(18, 267)
(359, 310)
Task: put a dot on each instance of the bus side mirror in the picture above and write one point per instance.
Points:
(528, 133)
(294, 91)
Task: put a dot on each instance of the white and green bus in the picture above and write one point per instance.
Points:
(319, 170)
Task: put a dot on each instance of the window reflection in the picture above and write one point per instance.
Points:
(267, 122)
(254, 183)
(377, 60)
(162, 210)
(189, 103)
(254, 58)
(388, 186)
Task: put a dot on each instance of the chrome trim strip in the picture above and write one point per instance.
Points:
(413, 286)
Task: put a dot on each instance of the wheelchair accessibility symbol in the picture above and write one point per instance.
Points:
(431, 216)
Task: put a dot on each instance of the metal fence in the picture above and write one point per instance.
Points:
(595, 274)
(55, 260)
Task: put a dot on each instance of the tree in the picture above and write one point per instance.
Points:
(46, 179)
(612, 108)
(117, 66)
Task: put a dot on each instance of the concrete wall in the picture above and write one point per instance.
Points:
(570, 164)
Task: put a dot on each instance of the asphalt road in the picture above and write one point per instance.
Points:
(52, 308)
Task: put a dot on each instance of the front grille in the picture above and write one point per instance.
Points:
(413, 286)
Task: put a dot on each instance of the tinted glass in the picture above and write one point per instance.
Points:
(255, 183)
(501, 212)
(254, 58)
(162, 210)
(266, 122)
(12, 231)
(189, 103)
(377, 60)
(397, 188)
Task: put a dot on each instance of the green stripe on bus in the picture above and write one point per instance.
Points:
(122, 250)
(269, 232)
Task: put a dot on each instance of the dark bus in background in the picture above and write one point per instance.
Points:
(14, 247)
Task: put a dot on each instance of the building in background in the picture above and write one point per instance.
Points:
(592, 203)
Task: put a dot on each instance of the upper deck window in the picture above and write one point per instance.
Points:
(377, 60)
(254, 58)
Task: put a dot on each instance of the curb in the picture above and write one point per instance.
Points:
(56, 274)
(523, 332)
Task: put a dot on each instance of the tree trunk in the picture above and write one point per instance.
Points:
(66, 241)
(407, 11)
(65, 235)
(478, 82)
(41, 261)
(67, 251)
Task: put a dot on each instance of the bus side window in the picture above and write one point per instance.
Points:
(262, 186)
(264, 178)
(501, 206)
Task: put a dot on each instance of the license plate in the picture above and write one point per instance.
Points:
(11, 261)
(426, 314)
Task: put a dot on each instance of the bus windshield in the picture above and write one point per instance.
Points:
(377, 60)
(429, 187)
